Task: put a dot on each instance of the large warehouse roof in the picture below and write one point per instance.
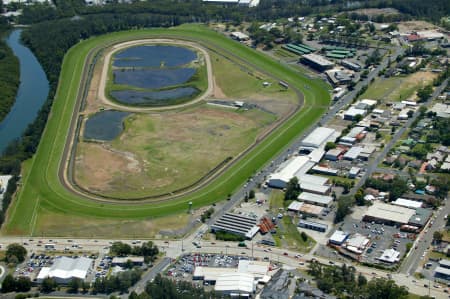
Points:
(237, 224)
(389, 212)
(315, 198)
(256, 268)
(318, 59)
(295, 166)
(66, 268)
(235, 282)
(212, 273)
(320, 136)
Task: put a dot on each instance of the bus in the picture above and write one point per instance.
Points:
(49, 246)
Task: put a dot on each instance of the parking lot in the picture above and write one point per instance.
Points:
(381, 237)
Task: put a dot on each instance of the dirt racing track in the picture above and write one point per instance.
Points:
(46, 185)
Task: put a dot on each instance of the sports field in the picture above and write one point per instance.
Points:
(42, 195)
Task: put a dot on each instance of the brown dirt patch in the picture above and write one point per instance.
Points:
(415, 26)
(376, 11)
(97, 166)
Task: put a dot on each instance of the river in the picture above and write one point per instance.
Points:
(32, 93)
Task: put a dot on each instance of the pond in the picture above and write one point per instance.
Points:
(162, 97)
(154, 56)
(105, 125)
(153, 79)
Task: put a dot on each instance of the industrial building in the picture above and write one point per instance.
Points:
(388, 214)
(353, 153)
(317, 62)
(325, 170)
(334, 154)
(236, 224)
(236, 285)
(311, 210)
(295, 206)
(318, 139)
(420, 217)
(443, 270)
(353, 172)
(65, 269)
(293, 167)
(315, 199)
(314, 184)
(407, 203)
(390, 256)
(352, 112)
(338, 238)
(320, 227)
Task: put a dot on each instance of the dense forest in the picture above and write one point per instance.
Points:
(9, 79)
(268, 10)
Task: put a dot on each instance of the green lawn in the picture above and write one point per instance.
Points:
(42, 190)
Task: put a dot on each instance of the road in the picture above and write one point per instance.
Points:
(373, 165)
(150, 275)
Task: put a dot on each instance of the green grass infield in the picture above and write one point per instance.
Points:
(42, 190)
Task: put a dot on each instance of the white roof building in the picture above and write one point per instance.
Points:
(65, 269)
(236, 284)
(352, 112)
(353, 153)
(357, 243)
(294, 167)
(390, 256)
(295, 206)
(407, 203)
(258, 269)
(211, 274)
(338, 237)
(388, 213)
(319, 137)
(316, 199)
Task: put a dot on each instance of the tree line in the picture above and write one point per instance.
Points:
(9, 78)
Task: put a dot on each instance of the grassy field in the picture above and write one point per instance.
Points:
(287, 235)
(398, 88)
(42, 191)
(163, 152)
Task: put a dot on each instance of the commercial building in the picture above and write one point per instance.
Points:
(407, 203)
(338, 77)
(390, 256)
(65, 269)
(441, 272)
(318, 139)
(236, 224)
(441, 110)
(211, 274)
(352, 112)
(388, 214)
(320, 227)
(122, 261)
(236, 284)
(258, 269)
(315, 199)
(317, 62)
(356, 243)
(420, 217)
(338, 238)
